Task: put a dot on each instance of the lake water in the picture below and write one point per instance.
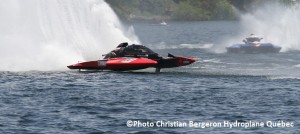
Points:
(219, 88)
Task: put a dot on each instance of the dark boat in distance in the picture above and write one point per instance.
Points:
(253, 45)
(133, 57)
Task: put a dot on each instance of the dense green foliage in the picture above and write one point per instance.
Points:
(204, 10)
(185, 9)
(173, 9)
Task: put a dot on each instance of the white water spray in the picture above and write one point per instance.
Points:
(50, 34)
(276, 23)
(273, 21)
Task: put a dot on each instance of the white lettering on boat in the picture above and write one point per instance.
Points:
(102, 63)
(128, 60)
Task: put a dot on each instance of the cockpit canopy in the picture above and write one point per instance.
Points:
(137, 50)
(253, 39)
(131, 51)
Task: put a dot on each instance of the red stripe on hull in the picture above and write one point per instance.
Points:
(122, 63)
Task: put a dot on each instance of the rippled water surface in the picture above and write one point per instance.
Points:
(218, 87)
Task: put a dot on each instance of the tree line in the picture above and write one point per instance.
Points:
(182, 9)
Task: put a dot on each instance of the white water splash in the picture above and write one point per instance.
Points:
(51, 34)
(276, 23)
(273, 21)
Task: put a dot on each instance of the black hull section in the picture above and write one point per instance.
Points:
(167, 63)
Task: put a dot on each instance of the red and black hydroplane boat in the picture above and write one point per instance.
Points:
(133, 57)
